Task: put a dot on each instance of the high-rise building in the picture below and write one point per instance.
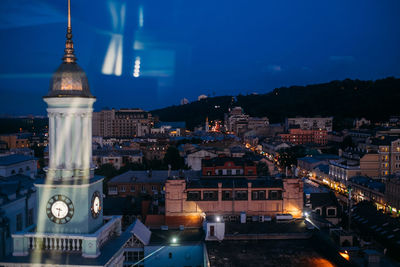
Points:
(70, 228)
(122, 123)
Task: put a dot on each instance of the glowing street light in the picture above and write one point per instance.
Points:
(174, 240)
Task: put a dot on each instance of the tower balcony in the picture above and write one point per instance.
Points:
(88, 245)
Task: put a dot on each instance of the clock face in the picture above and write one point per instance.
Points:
(60, 209)
(96, 204)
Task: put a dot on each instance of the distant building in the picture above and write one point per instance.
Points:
(238, 122)
(201, 97)
(388, 148)
(365, 188)
(361, 122)
(193, 160)
(117, 158)
(342, 170)
(302, 136)
(308, 123)
(122, 123)
(18, 164)
(392, 193)
(184, 101)
(173, 128)
(228, 166)
(15, 141)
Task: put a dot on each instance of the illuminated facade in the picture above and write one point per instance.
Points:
(186, 203)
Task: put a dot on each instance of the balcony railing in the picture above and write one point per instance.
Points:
(28, 240)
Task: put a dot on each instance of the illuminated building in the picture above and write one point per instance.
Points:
(70, 228)
(227, 166)
(187, 201)
(122, 123)
(15, 141)
(302, 136)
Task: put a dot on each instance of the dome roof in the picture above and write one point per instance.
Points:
(69, 80)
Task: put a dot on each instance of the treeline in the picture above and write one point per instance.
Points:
(347, 99)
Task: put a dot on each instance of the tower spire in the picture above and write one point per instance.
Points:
(69, 56)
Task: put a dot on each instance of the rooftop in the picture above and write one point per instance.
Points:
(155, 176)
(182, 236)
(233, 182)
(14, 159)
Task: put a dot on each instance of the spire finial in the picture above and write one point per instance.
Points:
(69, 13)
(69, 56)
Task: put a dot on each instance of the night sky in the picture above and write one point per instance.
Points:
(184, 48)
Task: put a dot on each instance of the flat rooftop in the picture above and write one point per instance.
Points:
(280, 253)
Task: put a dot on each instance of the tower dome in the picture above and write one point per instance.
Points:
(69, 80)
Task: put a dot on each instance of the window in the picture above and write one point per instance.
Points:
(241, 195)
(258, 195)
(208, 173)
(219, 172)
(331, 212)
(226, 195)
(133, 188)
(237, 172)
(275, 195)
(30, 217)
(123, 189)
(143, 189)
(153, 188)
(193, 195)
(112, 190)
(210, 195)
(19, 222)
(229, 172)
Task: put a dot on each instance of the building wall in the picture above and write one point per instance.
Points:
(134, 189)
(121, 123)
(14, 142)
(311, 123)
(194, 160)
(369, 165)
(19, 207)
(176, 203)
(392, 192)
(305, 136)
(28, 168)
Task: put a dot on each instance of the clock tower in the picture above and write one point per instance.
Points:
(70, 198)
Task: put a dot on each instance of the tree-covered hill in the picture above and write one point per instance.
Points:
(375, 100)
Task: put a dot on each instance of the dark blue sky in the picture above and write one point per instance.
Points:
(183, 48)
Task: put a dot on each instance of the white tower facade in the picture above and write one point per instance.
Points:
(70, 137)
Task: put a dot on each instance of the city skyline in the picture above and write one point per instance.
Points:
(177, 53)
